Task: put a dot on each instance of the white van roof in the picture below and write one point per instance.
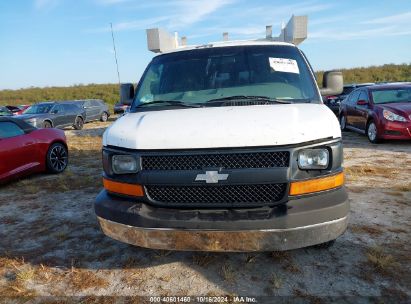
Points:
(226, 44)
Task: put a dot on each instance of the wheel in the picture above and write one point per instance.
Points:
(372, 132)
(104, 117)
(325, 245)
(47, 124)
(57, 158)
(78, 123)
(343, 123)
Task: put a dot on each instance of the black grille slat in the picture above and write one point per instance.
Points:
(221, 160)
(222, 196)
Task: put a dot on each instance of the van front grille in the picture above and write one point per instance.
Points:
(216, 160)
(217, 196)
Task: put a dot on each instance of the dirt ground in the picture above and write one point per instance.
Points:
(51, 245)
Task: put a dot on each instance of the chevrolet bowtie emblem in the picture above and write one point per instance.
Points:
(211, 177)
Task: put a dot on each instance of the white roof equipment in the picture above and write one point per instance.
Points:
(295, 32)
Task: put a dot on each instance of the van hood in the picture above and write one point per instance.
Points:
(223, 127)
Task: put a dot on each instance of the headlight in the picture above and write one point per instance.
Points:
(31, 121)
(124, 164)
(313, 159)
(388, 115)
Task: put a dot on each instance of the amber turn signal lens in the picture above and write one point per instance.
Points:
(317, 184)
(122, 188)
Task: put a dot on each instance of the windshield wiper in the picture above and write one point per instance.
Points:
(248, 98)
(169, 102)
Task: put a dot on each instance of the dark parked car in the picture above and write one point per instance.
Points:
(96, 109)
(379, 111)
(13, 109)
(18, 110)
(120, 108)
(334, 101)
(25, 149)
(4, 111)
(54, 115)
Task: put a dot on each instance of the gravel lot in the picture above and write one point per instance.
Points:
(51, 245)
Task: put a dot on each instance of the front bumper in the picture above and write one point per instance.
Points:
(396, 130)
(301, 222)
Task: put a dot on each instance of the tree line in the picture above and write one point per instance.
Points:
(107, 92)
(382, 73)
(110, 92)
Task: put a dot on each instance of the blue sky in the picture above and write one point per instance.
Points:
(66, 42)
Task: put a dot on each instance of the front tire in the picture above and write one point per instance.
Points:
(343, 123)
(78, 123)
(372, 132)
(57, 158)
(325, 245)
(104, 117)
(47, 125)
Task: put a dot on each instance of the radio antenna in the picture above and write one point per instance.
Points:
(115, 54)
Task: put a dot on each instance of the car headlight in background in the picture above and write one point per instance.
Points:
(313, 159)
(31, 121)
(125, 164)
(388, 115)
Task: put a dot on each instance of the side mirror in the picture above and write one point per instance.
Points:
(54, 111)
(126, 93)
(333, 83)
(362, 102)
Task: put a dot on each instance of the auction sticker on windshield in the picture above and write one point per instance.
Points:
(284, 65)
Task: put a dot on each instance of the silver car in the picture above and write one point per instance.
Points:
(54, 115)
(96, 109)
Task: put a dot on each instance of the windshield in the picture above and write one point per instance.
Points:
(392, 95)
(203, 75)
(39, 109)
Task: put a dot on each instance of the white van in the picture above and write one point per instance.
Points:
(227, 147)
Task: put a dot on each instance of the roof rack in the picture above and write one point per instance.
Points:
(295, 32)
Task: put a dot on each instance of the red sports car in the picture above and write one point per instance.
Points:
(25, 149)
(379, 111)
